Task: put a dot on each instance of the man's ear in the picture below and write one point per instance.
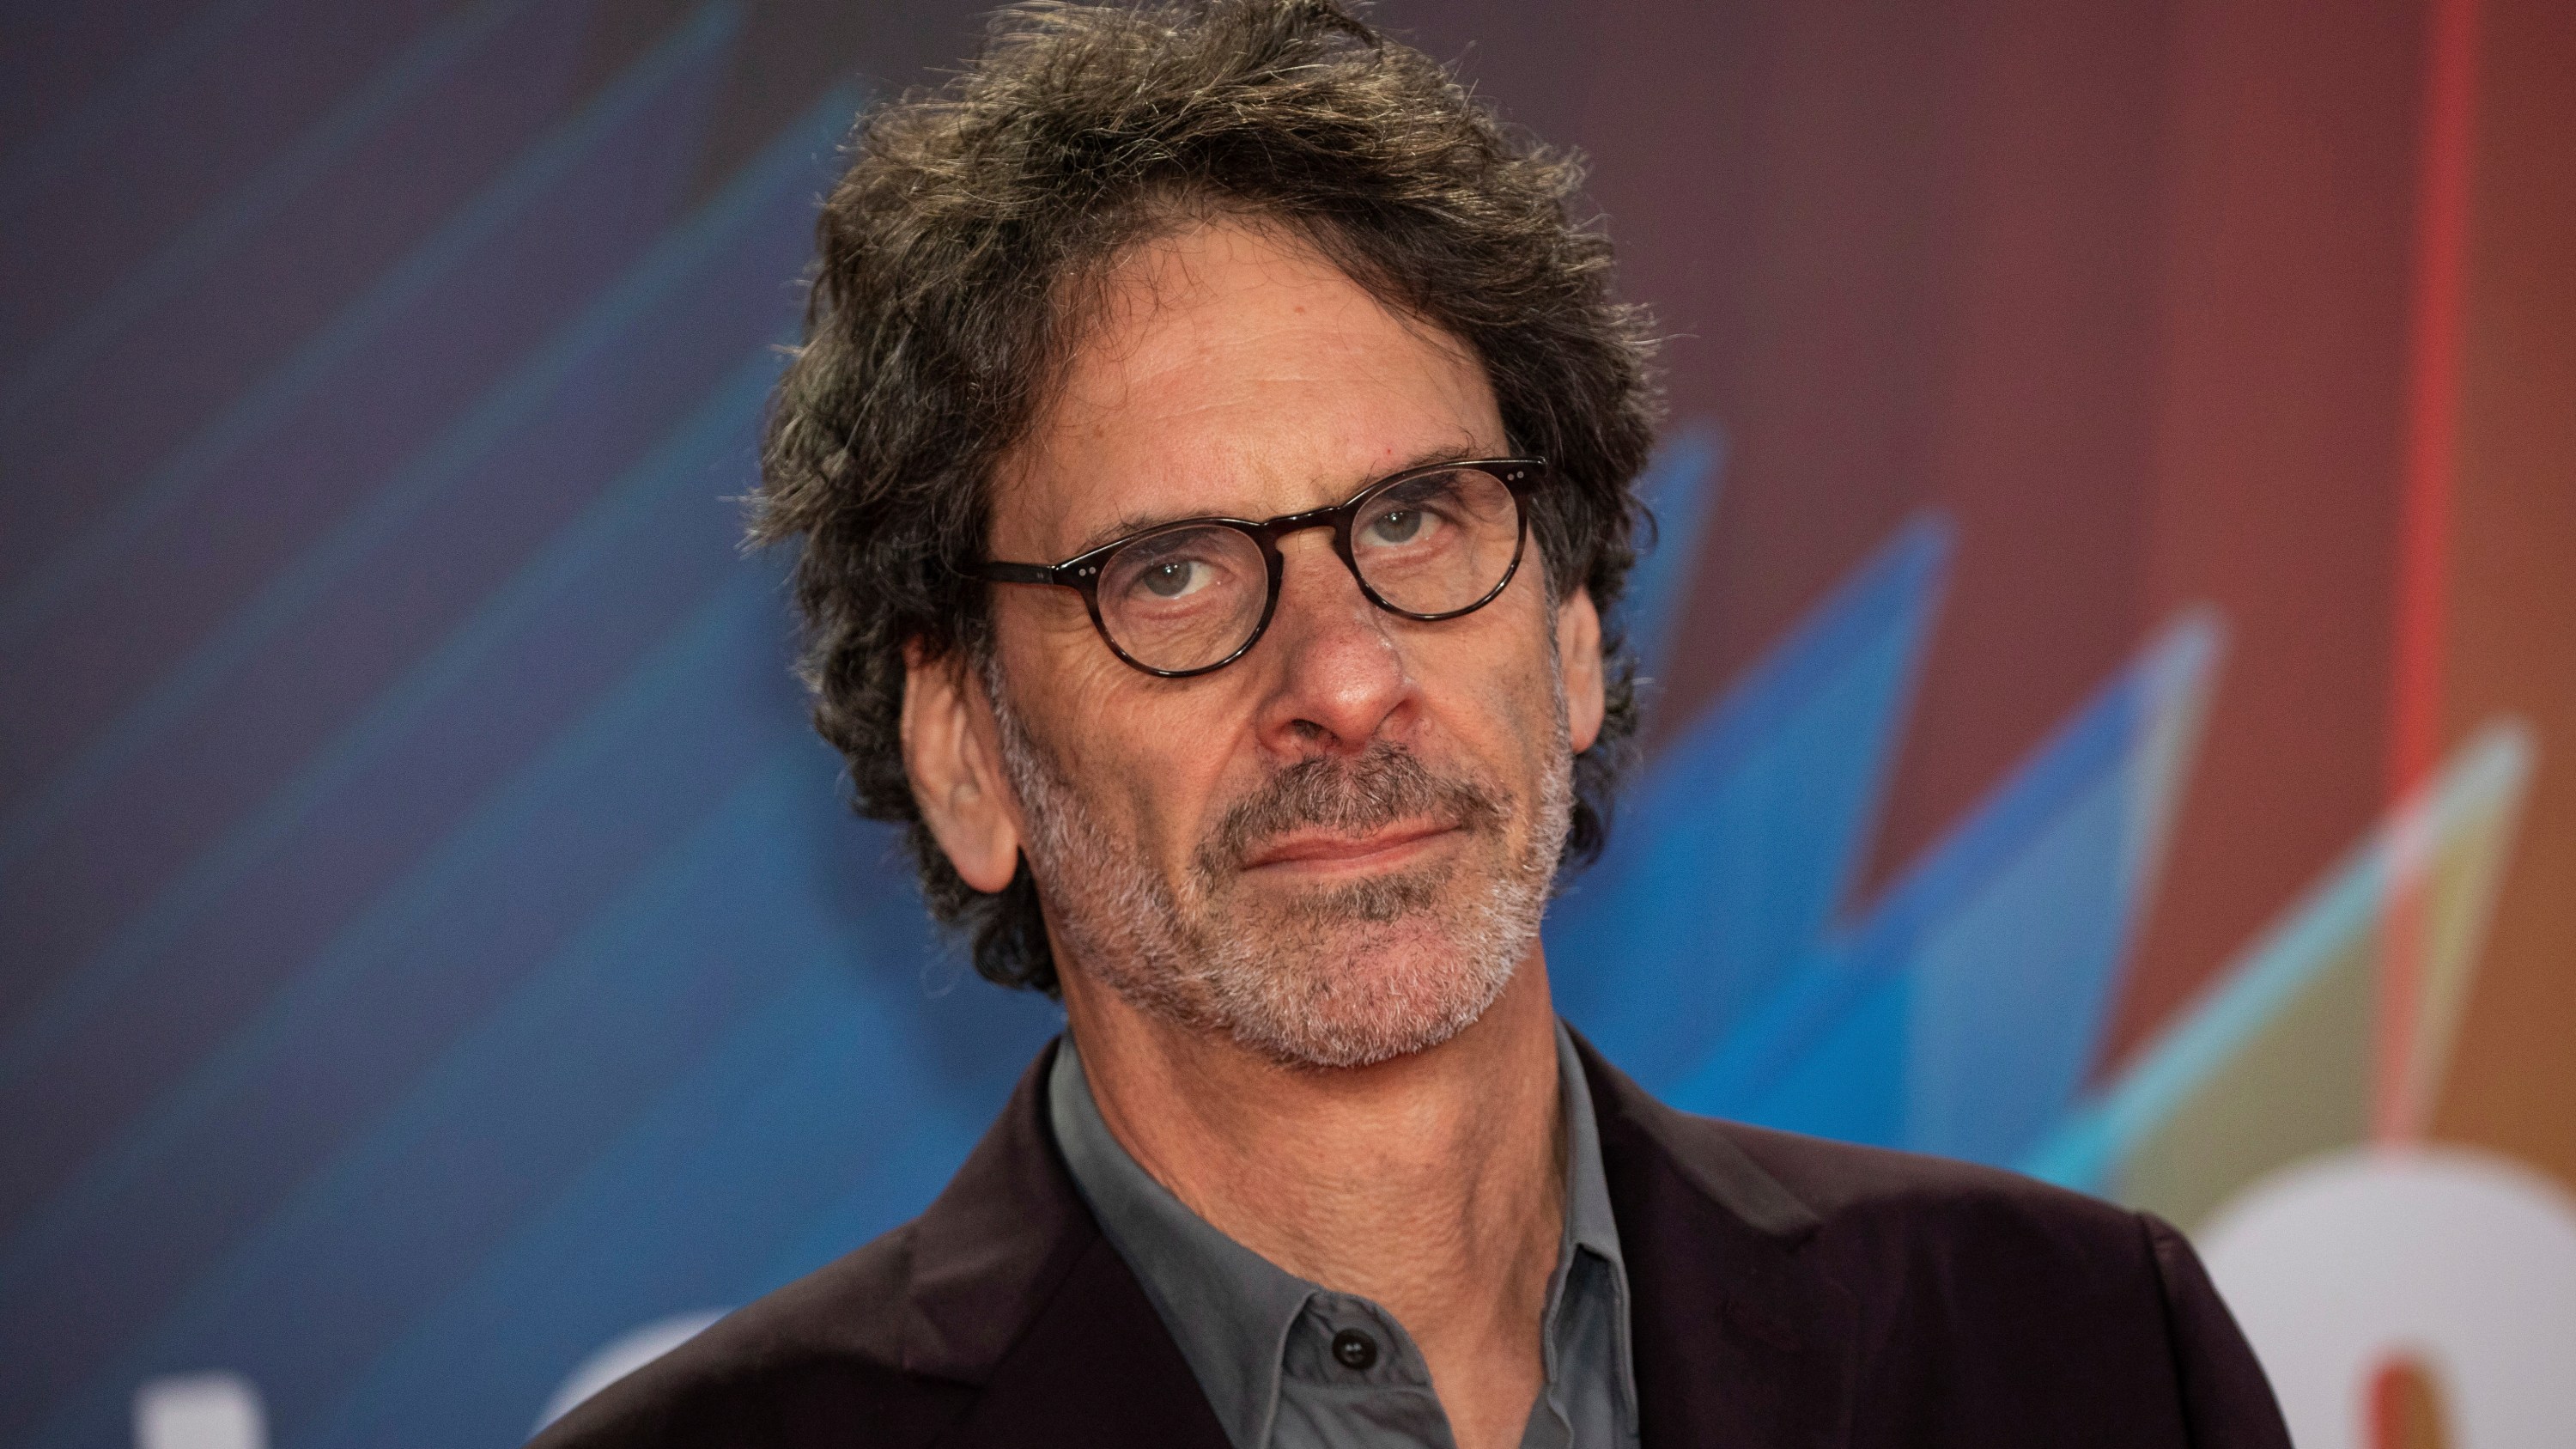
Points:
(1578, 646)
(951, 751)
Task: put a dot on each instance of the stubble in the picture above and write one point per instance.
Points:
(1343, 975)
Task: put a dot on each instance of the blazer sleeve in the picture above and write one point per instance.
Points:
(2226, 1401)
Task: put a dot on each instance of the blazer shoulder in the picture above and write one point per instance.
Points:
(890, 1345)
(1971, 1267)
(806, 1364)
(1885, 1202)
(1871, 1215)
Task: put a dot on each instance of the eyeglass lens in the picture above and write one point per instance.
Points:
(1189, 596)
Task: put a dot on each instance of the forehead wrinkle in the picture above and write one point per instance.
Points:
(1151, 318)
(1162, 275)
(1137, 521)
(1107, 307)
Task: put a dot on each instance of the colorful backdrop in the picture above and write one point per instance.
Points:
(2114, 643)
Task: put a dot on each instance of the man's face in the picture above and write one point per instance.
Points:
(1336, 849)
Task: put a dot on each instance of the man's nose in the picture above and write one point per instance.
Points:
(1338, 675)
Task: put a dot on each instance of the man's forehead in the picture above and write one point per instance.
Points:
(1233, 369)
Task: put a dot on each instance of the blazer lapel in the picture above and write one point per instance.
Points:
(1012, 1288)
(1739, 1340)
(1097, 1367)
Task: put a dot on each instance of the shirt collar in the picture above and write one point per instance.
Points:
(1589, 1223)
(1230, 1309)
(1588, 1220)
(1227, 1307)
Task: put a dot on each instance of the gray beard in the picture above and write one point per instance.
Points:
(1340, 976)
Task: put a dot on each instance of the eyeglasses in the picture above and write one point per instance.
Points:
(1184, 598)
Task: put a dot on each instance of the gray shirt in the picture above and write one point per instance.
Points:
(1288, 1364)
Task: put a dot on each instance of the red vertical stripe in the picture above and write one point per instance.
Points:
(2424, 526)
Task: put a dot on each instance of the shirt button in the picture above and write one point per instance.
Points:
(1354, 1350)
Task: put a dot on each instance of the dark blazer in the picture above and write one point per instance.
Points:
(1788, 1292)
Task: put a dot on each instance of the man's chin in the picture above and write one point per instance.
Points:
(1387, 991)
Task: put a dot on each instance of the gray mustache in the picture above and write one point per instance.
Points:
(1353, 796)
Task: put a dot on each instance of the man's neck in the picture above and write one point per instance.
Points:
(1432, 1184)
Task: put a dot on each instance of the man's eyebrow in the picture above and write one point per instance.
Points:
(1128, 524)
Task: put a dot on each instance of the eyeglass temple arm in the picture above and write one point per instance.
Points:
(1015, 573)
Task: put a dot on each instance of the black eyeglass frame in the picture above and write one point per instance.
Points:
(1081, 573)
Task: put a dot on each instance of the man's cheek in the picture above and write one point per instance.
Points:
(1166, 812)
(1521, 702)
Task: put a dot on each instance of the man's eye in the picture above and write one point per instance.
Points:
(1397, 525)
(1174, 578)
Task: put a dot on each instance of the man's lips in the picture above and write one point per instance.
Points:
(1326, 849)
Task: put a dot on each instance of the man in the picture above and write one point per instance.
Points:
(1211, 455)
